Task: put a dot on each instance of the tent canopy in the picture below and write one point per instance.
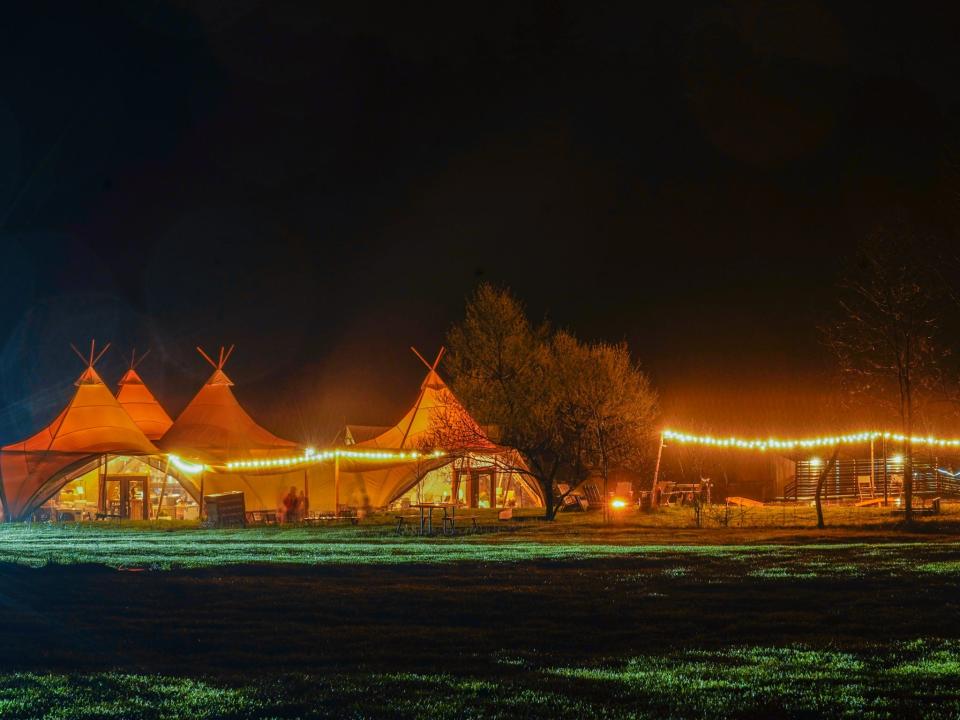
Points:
(434, 410)
(141, 405)
(215, 428)
(93, 423)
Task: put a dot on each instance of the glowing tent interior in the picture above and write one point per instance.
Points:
(92, 426)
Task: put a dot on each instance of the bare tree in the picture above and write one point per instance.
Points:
(886, 335)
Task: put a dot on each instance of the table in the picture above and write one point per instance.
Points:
(426, 515)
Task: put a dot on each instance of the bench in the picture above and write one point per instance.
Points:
(317, 519)
(934, 508)
(261, 517)
(107, 516)
(448, 522)
(924, 509)
(407, 521)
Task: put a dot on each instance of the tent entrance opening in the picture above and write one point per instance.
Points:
(476, 487)
(124, 495)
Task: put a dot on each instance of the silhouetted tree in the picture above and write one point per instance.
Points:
(564, 407)
(886, 337)
(611, 403)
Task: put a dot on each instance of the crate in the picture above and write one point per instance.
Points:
(225, 509)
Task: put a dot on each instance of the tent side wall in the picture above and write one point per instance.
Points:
(261, 491)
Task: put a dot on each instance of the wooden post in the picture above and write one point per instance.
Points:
(306, 493)
(883, 448)
(873, 484)
(656, 472)
(336, 485)
(820, 483)
(163, 488)
(202, 474)
(102, 485)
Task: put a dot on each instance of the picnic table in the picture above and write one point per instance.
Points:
(426, 516)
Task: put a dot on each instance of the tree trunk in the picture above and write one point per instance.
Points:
(820, 481)
(908, 462)
(550, 511)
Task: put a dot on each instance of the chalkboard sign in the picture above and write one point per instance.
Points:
(225, 509)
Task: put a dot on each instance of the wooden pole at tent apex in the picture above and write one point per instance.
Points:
(416, 407)
(656, 472)
(93, 358)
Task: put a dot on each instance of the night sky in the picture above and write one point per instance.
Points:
(324, 187)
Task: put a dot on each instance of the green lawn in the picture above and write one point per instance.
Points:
(164, 545)
(649, 617)
(906, 680)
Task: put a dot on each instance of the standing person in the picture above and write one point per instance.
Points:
(303, 504)
(290, 505)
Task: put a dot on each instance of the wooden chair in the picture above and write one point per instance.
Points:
(895, 485)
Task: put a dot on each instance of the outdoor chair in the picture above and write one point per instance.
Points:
(895, 485)
(407, 524)
(592, 493)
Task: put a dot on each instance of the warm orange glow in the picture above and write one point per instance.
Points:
(618, 503)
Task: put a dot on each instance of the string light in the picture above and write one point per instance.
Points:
(311, 456)
(826, 441)
(184, 466)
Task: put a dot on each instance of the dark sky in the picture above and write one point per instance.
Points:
(324, 186)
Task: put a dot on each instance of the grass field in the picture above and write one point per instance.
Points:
(646, 618)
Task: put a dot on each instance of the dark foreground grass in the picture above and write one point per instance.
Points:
(592, 625)
(905, 680)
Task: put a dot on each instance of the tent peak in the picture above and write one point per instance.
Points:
(221, 360)
(219, 377)
(134, 360)
(131, 377)
(89, 377)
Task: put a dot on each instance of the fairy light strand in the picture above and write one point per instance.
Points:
(805, 443)
(311, 457)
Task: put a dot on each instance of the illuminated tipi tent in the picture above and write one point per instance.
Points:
(477, 472)
(92, 425)
(140, 404)
(214, 430)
